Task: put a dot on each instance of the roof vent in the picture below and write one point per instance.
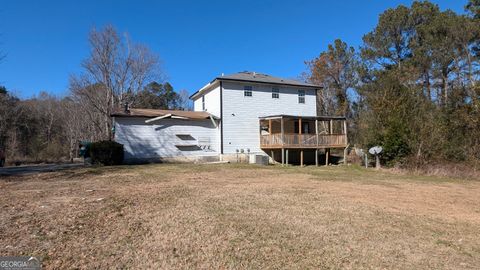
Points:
(223, 74)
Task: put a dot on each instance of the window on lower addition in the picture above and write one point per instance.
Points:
(275, 93)
(203, 103)
(301, 96)
(247, 91)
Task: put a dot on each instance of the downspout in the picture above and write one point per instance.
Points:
(221, 118)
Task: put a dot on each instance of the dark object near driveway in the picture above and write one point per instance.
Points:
(106, 153)
(2, 158)
(84, 151)
(84, 147)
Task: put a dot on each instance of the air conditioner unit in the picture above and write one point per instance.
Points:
(259, 159)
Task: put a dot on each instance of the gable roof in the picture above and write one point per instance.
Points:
(254, 77)
(151, 113)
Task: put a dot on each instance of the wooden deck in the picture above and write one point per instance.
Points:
(284, 132)
(305, 141)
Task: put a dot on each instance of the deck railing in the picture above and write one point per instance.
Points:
(303, 140)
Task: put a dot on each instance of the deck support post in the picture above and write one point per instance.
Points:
(301, 157)
(316, 157)
(300, 141)
(270, 129)
(316, 130)
(327, 154)
(282, 130)
(345, 155)
(283, 157)
(273, 156)
(286, 157)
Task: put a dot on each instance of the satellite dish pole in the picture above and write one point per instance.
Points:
(359, 152)
(376, 150)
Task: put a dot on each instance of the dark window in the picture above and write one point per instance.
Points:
(275, 93)
(203, 103)
(247, 91)
(301, 96)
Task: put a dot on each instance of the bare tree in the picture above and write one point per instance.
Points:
(115, 70)
(49, 113)
(6, 114)
(184, 101)
(77, 125)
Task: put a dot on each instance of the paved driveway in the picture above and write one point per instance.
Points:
(32, 169)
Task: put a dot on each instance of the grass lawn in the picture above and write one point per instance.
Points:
(240, 217)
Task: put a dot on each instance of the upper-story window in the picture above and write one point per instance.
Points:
(247, 91)
(275, 92)
(203, 103)
(301, 96)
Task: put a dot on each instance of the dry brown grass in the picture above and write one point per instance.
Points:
(466, 170)
(238, 216)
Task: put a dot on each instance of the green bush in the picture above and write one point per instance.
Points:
(106, 153)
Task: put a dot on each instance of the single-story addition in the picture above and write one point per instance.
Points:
(162, 135)
(235, 116)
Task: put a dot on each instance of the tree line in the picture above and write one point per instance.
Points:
(411, 87)
(117, 71)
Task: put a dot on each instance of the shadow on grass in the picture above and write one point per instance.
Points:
(350, 173)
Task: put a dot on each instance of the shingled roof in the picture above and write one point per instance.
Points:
(151, 113)
(263, 78)
(254, 77)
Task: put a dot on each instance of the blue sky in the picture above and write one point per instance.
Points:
(46, 41)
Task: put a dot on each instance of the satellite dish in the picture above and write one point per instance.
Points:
(375, 150)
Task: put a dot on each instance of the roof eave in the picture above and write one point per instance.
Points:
(274, 83)
(204, 88)
(166, 116)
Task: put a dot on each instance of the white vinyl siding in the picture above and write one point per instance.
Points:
(211, 100)
(166, 138)
(240, 115)
(197, 104)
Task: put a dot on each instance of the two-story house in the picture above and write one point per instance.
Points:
(241, 113)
